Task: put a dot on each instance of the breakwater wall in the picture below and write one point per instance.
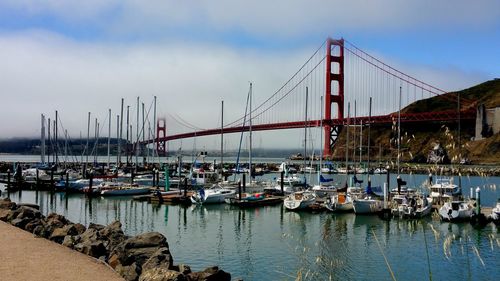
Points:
(143, 257)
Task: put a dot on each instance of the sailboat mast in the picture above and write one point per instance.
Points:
(155, 152)
(320, 139)
(354, 140)
(360, 141)
(121, 135)
(127, 141)
(109, 136)
(399, 126)
(56, 138)
(222, 141)
(369, 133)
(143, 129)
(88, 140)
(305, 136)
(347, 139)
(250, 136)
(65, 148)
(117, 138)
(42, 140)
(137, 137)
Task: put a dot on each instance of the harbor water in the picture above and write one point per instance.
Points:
(270, 243)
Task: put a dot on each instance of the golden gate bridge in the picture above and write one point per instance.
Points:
(346, 77)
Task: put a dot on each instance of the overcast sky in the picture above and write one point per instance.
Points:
(81, 56)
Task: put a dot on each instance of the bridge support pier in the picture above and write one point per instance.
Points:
(335, 95)
(161, 133)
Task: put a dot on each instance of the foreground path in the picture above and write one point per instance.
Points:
(25, 257)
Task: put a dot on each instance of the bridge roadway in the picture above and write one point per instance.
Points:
(451, 115)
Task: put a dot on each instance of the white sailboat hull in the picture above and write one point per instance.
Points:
(367, 206)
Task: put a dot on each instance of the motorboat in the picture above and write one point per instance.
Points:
(213, 195)
(495, 213)
(456, 211)
(125, 190)
(300, 200)
(444, 190)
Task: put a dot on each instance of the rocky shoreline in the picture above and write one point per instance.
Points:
(145, 257)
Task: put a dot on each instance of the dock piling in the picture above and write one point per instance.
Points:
(282, 182)
(244, 182)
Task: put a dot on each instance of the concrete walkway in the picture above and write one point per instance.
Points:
(26, 257)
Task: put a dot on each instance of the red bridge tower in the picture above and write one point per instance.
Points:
(336, 96)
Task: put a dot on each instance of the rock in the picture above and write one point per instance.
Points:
(69, 241)
(161, 274)
(21, 223)
(113, 234)
(139, 248)
(6, 204)
(34, 206)
(210, 274)
(52, 222)
(148, 239)
(80, 228)
(160, 259)
(30, 226)
(28, 212)
(184, 268)
(6, 215)
(96, 226)
(129, 272)
(91, 248)
(59, 233)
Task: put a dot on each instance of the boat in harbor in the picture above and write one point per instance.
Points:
(444, 190)
(340, 202)
(456, 211)
(125, 190)
(300, 200)
(253, 200)
(213, 195)
(495, 213)
(367, 205)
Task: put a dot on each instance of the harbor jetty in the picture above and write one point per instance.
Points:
(142, 257)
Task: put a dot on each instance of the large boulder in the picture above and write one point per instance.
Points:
(28, 212)
(151, 247)
(32, 224)
(59, 233)
(90, 243)
(160, 259)
(161, 274)
(113, 235)
(129, 272)
(7, 204)
(7, 215)
(210, 274)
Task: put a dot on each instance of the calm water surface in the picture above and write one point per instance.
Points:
(270, 243)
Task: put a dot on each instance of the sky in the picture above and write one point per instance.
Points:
(84, 56)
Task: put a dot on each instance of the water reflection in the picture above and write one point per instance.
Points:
(271, 243)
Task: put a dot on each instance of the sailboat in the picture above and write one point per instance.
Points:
(300, 200)
(325, 187)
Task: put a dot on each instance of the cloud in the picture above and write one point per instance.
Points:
(42, 72)
(264, 19)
